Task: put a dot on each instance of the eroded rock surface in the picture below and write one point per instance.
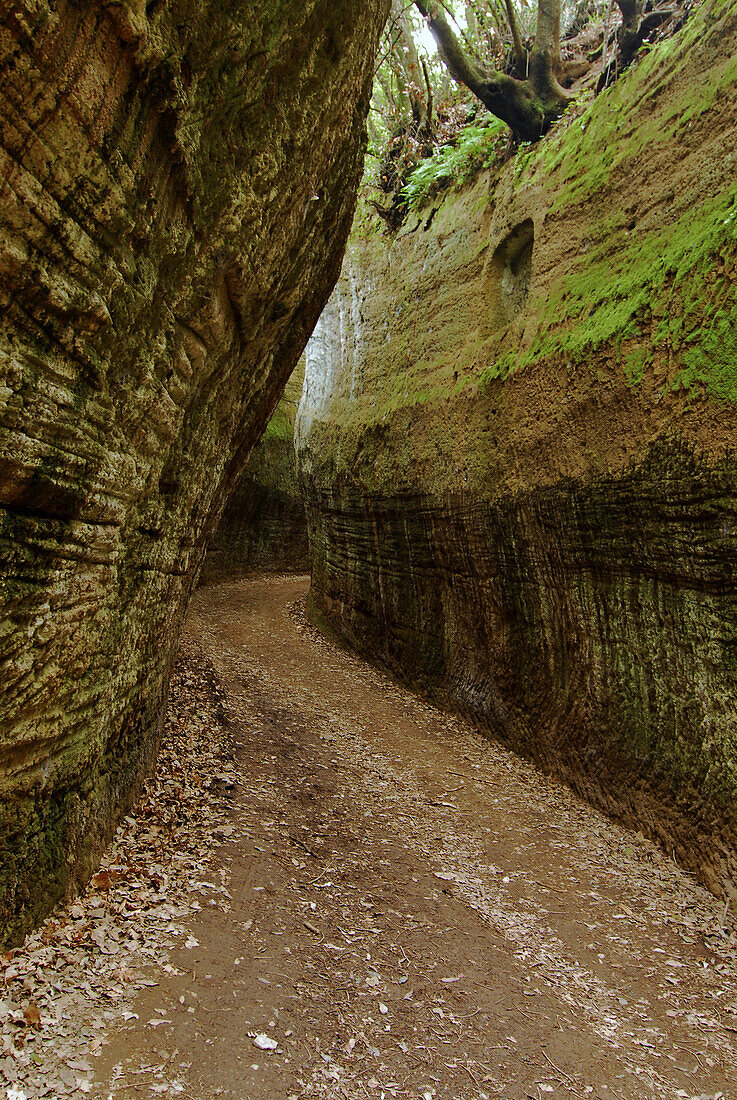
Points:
(177, 181)
(263, 527)
(517, 439)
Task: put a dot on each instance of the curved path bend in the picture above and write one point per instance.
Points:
(416, 912)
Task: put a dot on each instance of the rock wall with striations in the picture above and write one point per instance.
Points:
(263, 527)
(177, 180)
(517, 440)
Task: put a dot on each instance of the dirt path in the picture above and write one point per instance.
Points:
(413, 912)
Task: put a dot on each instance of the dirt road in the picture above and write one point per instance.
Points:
(414, 912)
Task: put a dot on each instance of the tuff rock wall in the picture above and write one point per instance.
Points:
(517, 440)
(177, 179)
(263, 527)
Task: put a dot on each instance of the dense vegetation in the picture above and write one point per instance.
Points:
(500, 76)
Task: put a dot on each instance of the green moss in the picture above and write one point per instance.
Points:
(636, 359)
(711, 360)
(280, 427)
(627, 277)
(476, 147)
(501, 368)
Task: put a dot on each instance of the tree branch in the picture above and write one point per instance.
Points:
(458, 63)
(528, 107)
(520, 53)
(547, 38)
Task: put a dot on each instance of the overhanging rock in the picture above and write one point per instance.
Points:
(177, 183)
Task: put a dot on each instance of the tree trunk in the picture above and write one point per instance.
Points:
(406, 64)
(520, 53)
(545, 62)
(628, 35)
(529, 107)
(547, 39)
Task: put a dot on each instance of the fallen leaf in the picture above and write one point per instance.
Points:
(32, 1014)
(79, 1064)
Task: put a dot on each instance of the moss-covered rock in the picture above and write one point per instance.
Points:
(178, 182)
(517, 441)
(263, 527)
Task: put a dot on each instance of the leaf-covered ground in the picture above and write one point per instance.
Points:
(332, 889)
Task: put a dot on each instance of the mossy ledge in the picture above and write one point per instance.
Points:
(521, 477)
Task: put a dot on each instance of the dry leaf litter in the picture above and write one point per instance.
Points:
(76, 977)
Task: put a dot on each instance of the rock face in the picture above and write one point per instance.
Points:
(263, 527)
(517, 440)
(177, 183)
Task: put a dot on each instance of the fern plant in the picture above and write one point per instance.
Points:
(476, 148)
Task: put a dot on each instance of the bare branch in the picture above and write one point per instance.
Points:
(520, 54)
(461, 67)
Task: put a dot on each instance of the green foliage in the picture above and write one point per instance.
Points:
(631, 280)
(476, 147)
(711, 360)
(280, 427)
